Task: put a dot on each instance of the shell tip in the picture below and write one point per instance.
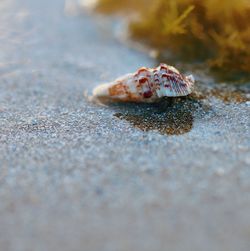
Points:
(101, 91)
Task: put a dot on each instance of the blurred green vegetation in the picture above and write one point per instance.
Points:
(213, 32)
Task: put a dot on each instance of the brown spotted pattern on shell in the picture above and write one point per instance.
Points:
(147, 85)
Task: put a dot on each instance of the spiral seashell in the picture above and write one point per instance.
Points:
(147, 85)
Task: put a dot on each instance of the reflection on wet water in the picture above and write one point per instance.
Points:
(174, 117)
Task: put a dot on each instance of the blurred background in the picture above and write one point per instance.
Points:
(215, 34)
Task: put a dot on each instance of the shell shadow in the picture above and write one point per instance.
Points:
(175, 116)
(172, 116)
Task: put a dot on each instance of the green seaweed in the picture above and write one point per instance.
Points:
(213, 32)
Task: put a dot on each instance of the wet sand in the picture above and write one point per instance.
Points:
(75, 175)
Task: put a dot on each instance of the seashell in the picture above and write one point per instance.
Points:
(147, 85)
